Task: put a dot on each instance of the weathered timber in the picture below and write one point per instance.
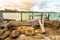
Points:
(1, 17)
(16, 11)
(42, 27)
(8, 26)
(5, 35)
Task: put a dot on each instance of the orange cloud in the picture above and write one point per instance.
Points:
(27, 4)
(18, 4)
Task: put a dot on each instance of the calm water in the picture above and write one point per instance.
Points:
(25, 16)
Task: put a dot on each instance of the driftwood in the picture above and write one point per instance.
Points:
(5, 35)
(7, 26)
(42, 26)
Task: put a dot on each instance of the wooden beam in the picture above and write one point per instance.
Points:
(41, 22)
(15, 11)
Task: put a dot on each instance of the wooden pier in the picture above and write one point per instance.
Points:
(41, 21)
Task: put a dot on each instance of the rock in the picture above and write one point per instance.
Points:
(8, 38)
(22, 35)
(1, 32)
(3, 27)
(47, 38)
(37, 31)
(15, 34)
(1, 39)
(21, 29)
(29, 31)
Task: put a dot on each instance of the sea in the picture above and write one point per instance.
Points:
(26, 16)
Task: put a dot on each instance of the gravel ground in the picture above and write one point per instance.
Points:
(23, 37)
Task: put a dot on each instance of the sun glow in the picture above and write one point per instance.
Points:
(16, 4)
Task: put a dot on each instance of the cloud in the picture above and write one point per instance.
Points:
(36, 5)
(16, 4)
(48, 5)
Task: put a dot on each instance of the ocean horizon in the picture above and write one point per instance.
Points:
(25, 16)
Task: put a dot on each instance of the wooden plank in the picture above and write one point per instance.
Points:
(42, 27)
(5, 35)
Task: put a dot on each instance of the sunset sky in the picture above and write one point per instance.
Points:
(35, 5)
(17, 4)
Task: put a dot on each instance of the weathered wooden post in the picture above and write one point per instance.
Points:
(41, 22)
(21, 16)
(32, 15)
(1, 17)
(48, 17)
(29, 17)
